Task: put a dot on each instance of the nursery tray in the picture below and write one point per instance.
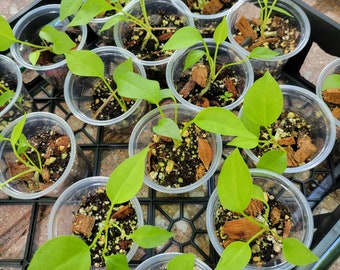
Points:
(183, 214)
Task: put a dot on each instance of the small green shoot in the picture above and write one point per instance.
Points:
(70, 252)
(235, 191)
(331, 81)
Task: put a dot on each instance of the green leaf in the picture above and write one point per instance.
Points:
(127, 179)
(113, 21)
(23, 144)
(33, 57)
(235, 256)
(263, 101)
(183, 38)
(85, 63)
(185, 261)
(192, 58)
(89, 10)
(262, 53)
(61, 41)
(167, 127)
(133, 85)
(296, 252)
(122, 68)
(331, 81)
(166, 93)
(257, 194)
(7, 37)
(244, 142)
(6, 97)
(281, 10)
(221, 31)
(273, 160)
(69, 7)
(234, 184)
(63, 253)
(149, 236)
(116, 262)
(17, 131)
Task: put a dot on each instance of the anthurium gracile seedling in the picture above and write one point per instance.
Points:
(69, 252)
(235, 191)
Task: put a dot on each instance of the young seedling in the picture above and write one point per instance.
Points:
(237, 254)
(21, 147)
(189, 36)
(52, 40)
(70, 252)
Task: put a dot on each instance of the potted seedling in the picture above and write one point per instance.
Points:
(72, 252)
(328, 88)
(258, 219)
(14, 98)
(91, 91)
(39, 40)
(39, 157)
(209, 72)
(279, 25)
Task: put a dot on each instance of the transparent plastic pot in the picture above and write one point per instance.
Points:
(284, 191)
(160, 262)
(62, 214)
(250, 9)
(78, 91)
(21, 102)
(323, 130)
(27, 29)
(76, 169)
(332, 68)
(227, 53)
(141, 137)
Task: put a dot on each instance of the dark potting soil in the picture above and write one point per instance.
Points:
(181, 166)
(266, 248)
(95, 206)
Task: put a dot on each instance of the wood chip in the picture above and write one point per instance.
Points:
(291, 162)
(204, 152)
(200, 74)
(122, 212)
(275, 215)
(254, 208)
(16, 168)
(228, 83)
(261, 42)
(336, 113)
(212, 7)
(245, 28)
(165, 37)
(331, 95)
(240, 229)
(83, 225)
(200, 171)
(201, 102)
(287, 228)
(287, 141)
(306, 149)
(187, 88)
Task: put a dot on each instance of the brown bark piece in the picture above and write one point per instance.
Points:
(261, 42)
(306, 149)
(336, 113)
(200, 171)
(202, 102)
(240, 229)
(63, 143)
(204, 152)
(275, 214)
(200, 74)
(16, 168)
(228, 84)
(212, 7)
(287, 141)
(122, 212)
(287, 228)
(83, 225)
(245, 28)
(254, 208)
(187, 88)
(290, 157)
(331, 95)
(165, 37)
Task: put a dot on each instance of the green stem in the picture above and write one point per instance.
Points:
(16, 177)
(120, 101)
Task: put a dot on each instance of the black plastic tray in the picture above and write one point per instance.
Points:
(101, 143)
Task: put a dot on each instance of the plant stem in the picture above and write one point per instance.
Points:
(16, 177)
(120, 101)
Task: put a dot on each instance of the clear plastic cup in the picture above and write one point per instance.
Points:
(249, 9)
(284, 191)
(141, 136)
(227, 53)
(78, 91)
(332, 68)
(76, 169)
(160, 262)
(27, 29)
(62, 214)
(323, 131)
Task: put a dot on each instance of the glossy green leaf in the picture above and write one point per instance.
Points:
(263, 101)
(166, 93)
(127, 178)
(69, 7)
(235, 256)
(6, 97)
(149, 236)
(33, 57)
(221, 31)
(192, 58)
(133, 85)
(7, 37)
(116, 262)
(234, 184)
(60, 40)
(126, 66)
(185, 261)
(183, 38)
(113, 21)
(257, 194)
(273, 160)
(62, 253)
(296, 252)
(167, 127)
(331, 81)
(22, 144)
(251, 126)
(85, 63)
(17, 131)
(244, 142)
(262, 53)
